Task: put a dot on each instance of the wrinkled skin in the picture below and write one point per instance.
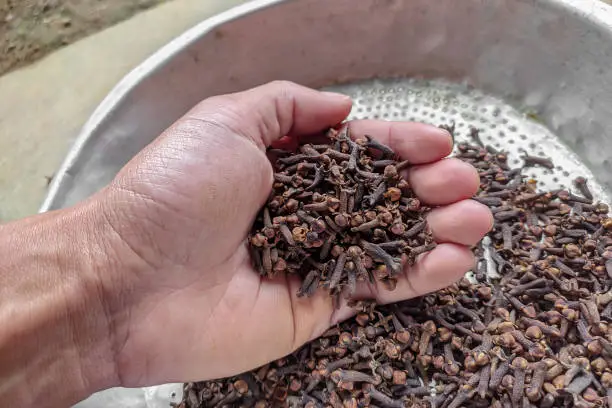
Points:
(184, 301)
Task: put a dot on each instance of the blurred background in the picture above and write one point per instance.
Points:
(58, 60)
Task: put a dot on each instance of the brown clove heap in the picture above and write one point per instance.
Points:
(533, 328)
(339, 213)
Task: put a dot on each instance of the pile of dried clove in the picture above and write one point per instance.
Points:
(531, 328)
(339, 213)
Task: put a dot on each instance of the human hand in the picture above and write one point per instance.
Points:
(184, 302)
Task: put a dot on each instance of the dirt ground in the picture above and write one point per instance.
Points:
(30, 29)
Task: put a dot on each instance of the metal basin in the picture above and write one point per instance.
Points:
(517, 60)
(552, 57)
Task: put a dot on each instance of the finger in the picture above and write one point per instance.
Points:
(416, 142)
(465, 222)
(268, 112)
(435, 270)
(444, 182)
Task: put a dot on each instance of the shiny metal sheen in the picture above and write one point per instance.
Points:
(552, 57)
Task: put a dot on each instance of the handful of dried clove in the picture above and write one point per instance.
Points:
(339, 213)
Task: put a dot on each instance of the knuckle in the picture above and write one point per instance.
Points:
(282, 84)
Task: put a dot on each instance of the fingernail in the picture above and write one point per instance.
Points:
(338, 96)
(451, 140)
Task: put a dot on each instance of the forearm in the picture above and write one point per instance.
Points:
(55, 332)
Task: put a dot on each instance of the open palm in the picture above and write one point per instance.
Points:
(182, 208)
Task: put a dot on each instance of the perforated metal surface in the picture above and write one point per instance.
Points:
(503, 126)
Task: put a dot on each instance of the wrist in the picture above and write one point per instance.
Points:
(57, 345)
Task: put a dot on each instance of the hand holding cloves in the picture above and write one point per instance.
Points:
(340, 213)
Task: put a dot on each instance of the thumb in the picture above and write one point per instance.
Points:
(209, 159)
(267, 113)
